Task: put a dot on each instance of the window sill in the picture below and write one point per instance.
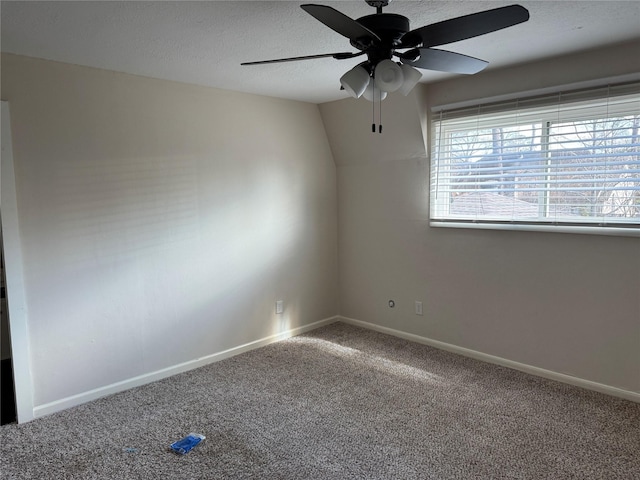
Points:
(525, 227)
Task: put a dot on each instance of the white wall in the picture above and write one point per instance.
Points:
(160, 221)
(560, 302)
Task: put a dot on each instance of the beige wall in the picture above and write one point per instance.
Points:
(562, 302)
(161, 221)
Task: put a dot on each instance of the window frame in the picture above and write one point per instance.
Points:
(544, 110)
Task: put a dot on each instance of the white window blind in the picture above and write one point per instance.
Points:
(562, 160)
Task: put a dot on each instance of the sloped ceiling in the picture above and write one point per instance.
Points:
(204, 42)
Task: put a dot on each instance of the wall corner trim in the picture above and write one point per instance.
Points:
(539, 372)
(81, 398)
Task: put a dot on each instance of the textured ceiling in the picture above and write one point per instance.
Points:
(204, 42)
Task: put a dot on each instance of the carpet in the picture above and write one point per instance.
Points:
(340, 402)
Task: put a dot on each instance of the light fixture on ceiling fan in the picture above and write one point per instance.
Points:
(382, 36)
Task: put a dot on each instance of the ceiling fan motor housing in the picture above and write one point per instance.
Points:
(390, 27)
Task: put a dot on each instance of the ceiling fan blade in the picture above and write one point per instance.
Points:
(337, 56)
(442, 61)
(339, 22)
(468, 26)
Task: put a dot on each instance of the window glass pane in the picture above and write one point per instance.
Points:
(595, 168)
(496, 172)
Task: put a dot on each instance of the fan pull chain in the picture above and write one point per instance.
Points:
(373, 115)
(373, 105)
(373, 108)
(380, 113)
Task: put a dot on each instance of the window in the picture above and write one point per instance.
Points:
(568, 161)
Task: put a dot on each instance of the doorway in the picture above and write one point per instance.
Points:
(7, 389)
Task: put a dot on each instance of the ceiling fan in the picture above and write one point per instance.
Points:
(382, 36)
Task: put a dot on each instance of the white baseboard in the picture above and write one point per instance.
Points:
(523, 367)
(74, 400)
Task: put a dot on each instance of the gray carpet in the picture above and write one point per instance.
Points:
(337, 403)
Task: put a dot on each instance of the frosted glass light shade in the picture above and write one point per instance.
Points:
(355, 81)
(389, 77)
(411, 77)
(369, 93)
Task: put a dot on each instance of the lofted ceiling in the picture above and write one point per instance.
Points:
(204, 42)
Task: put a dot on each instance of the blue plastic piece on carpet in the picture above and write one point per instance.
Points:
(186, 444)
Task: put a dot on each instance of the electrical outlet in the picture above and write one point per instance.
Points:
(279, 307)
(418, 308)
